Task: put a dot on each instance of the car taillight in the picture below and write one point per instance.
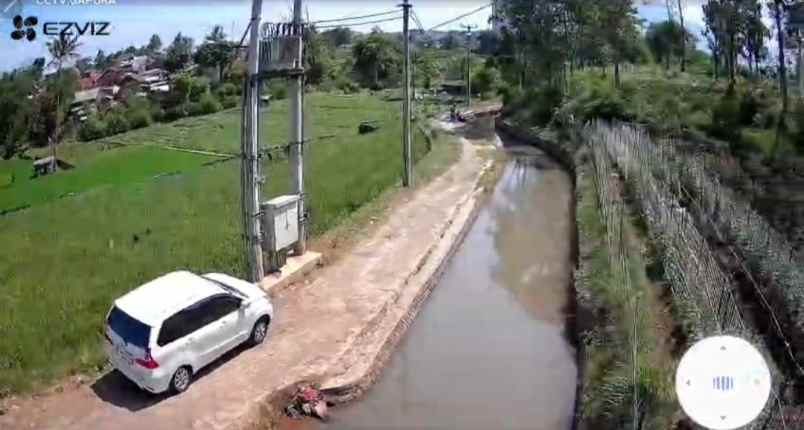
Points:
(148, 362)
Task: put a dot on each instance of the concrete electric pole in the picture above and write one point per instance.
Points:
(469, 29)
(407, 175)
(249, 139)
(296, 88)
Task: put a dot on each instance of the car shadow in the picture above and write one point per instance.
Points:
(116, 389)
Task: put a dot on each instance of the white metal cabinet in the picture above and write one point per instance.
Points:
(281, 222)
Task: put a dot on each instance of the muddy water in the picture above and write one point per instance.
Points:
(488, 350)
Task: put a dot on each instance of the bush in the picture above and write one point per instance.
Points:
(92, 128)
(157, 113)
(347, 86)
(726, 119)
(507, 93)
(117, 123)
(798, 120)
(278, 89)
(174, 113)
(209, 104)
(199, 87)
(227, 89)
(230, 102)
(138, 118)
(543, 103)
(195, 109)
(749, 108)
(138, 112)
(766, 119)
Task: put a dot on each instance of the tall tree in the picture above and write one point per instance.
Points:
(664, 39)
(375, 58)
(62, 51)
(179, 53)
(216, 51)
(154, 44)
(777, 10)
(683, 38)
(100, 60)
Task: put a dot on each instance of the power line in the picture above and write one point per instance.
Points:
(416, 20)
(352, 18)
(379, 21)
(460, 17)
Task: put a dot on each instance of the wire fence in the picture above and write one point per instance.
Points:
(704, 295)
(613, 214)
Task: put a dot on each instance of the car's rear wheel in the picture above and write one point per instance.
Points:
(260, 331)
(181, 380)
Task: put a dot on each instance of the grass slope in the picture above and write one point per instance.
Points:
(64, 261)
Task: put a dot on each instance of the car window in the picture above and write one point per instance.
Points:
(195, 317)
(130, 329)
(174, 328)
(220, 306)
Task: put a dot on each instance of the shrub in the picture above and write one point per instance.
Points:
(138, 112)
(726, 118)
(766, 119)
(347, 86)
(543, 103)
(116, 123)
(195, 109)
(199, 87)
(174, 113)
(92, 128)
(209, 104)
(226, 89)
(749, 108)
(230, 102)
(278, 89)
(138, 118)
(157, 113)
(507, 93)
(798, 121)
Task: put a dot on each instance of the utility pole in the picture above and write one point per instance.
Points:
(407, 175)
(249, 139)
(469, 29)
(296, 89)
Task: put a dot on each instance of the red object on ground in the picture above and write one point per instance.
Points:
(310, 394)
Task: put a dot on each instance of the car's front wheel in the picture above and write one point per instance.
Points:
(181, 380)
(260, 331)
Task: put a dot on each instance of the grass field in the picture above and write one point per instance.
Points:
(326, 115)
(111, 167)
(64, 261)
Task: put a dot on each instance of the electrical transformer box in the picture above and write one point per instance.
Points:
(281, 222)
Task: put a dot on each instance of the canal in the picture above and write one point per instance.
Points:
(489, 350)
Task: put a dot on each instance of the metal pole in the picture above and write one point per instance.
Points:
(250, 168)
(296, 88)
(407, 176)
(468, 65)
(800, 65)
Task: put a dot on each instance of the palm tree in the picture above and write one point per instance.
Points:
(63, 50)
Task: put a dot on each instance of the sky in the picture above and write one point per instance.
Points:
(134, 21)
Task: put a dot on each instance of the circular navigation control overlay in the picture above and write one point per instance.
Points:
(723, 383)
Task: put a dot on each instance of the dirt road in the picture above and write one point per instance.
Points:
(330, 329)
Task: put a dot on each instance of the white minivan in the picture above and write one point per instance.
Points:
(165, 331)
